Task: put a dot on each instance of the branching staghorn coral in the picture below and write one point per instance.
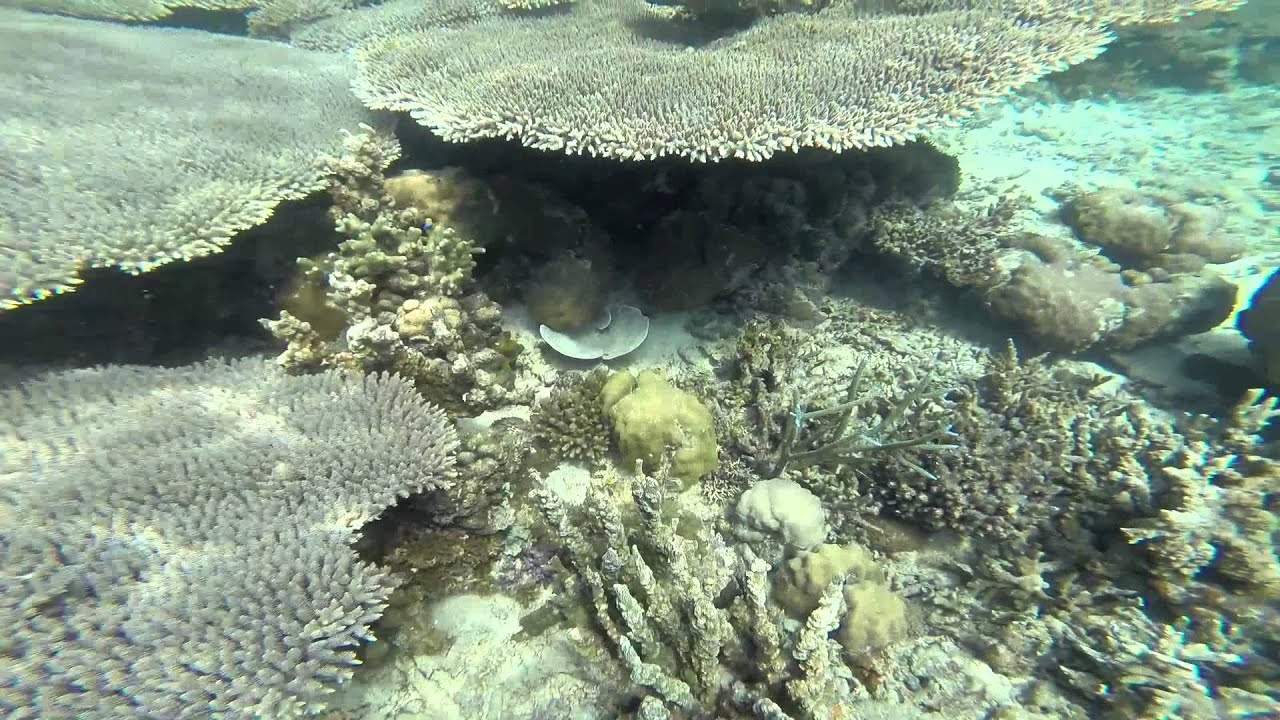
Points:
(610, 78)
(661, 597)
(847, 444)
(99, 172)
(1031, 435)
(403, 289)
(177, 542)
(1184, 506)
(571, 422)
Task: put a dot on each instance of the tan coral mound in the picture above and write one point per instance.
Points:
(134, 147)
(611, 78)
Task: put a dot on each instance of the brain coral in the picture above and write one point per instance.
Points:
(612, 78)
(176, 543)
(134, 147)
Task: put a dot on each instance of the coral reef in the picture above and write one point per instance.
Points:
(405, 288)
(827, 488)
(697, 256)
(135, 10)
(1079, 304)
(206, 567)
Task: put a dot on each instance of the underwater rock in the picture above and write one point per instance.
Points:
(566, 294)
(1135, 229)
(1124, 224)
(694, 256)
(1080, 304)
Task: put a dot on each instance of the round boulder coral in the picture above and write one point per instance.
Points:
(655, 418)
(780, 509)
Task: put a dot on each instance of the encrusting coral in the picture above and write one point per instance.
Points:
(182, 543)
(1062, 297)
(405, 288)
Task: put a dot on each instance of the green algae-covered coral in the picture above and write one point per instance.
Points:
(651, 417)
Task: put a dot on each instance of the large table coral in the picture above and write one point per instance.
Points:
(618, 78)
(135, 147)
(176, 543)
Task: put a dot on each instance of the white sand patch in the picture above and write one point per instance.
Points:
(1216, 148)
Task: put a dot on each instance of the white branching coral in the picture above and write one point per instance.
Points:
(134, 147)
(691, 616)
(177, 542)
(608, 78)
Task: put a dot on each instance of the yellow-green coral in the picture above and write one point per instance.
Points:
(654, 418)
